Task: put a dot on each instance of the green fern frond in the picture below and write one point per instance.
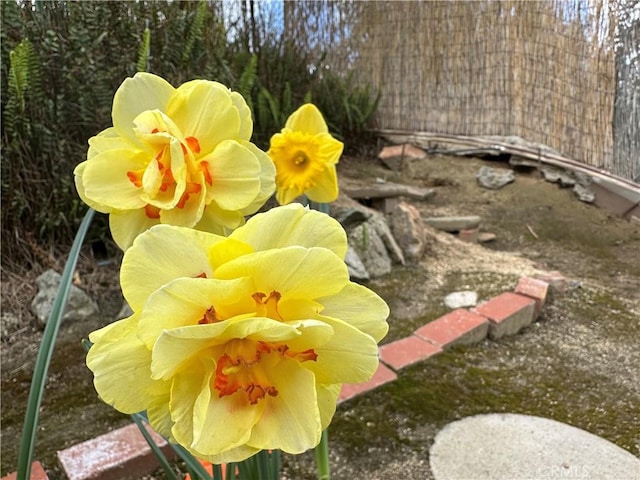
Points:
(195, 31)
(142, 65)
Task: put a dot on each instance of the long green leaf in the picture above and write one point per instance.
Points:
(191, 462)
(28, 440)
(164, 463)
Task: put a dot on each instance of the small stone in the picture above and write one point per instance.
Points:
(125, 311)
(453, 224)
(79, 305)
(583, 193)
(484, 237)
(370, 248)
(493, 178)
(558, 175)
(469, 235)
(408, 230)
(394, 156)
(461, 299)
(357, 270)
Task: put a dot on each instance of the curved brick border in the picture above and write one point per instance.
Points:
(124, 454)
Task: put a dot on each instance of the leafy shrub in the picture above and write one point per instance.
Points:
(63, 61)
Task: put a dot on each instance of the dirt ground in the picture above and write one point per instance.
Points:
(578, 364)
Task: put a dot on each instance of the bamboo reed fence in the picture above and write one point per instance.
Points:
(561, 73)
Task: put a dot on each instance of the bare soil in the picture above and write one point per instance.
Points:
(578, 364)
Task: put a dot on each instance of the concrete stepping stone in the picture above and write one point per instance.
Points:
(509, 446)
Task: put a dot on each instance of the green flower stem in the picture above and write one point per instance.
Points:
(43, 360)
(322, 457)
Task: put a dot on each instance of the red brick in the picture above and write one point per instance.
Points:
(407, 351)
(533, 288)
(117, 455)
(457, 327)
(557, 282)
(37, 473)
(469, 235)
(507, 313)
(383, 375)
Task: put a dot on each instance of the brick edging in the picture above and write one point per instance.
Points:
(127, 455)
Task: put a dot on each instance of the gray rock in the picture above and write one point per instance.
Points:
(125, 311)
(380, 225)
(79, 305)
(371, 249)
(494, 178)
(584, 193)
(453, 224)
(558, 175)
(408, 230)
(351, 217)
(461, 299)
(357, 270)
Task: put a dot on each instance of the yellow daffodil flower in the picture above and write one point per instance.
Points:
(305, 156)
(180, 156)
(239, 344)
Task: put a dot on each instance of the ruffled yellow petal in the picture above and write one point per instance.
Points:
(121, 366)
(219, 221)
(350, 356)
(105, 180)
(246, 120)
(267, 177)
(294, 272)
(360, 307)
(327, 400)
(126, 225)
(290, 421)
(235, 171)
(187, 301)
(307, 119)
(78, 173)
(161, 254)
(143, 92)
(293, 225)
(206, 111)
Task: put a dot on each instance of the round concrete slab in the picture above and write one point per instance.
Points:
(513, 447)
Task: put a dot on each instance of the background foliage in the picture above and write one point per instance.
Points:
(62, 62)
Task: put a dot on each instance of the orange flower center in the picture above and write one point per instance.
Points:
(168, 183)
(242, 368)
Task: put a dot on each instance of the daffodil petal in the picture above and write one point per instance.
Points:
(78, 173)
(159, 416)
(295, 271)
(246, 121)
(205, 110)
(291, 421)
(126, 225)
(293, 225)
(143, 92)
(350, 356)
(203, 422)
(326, 187)
(105, 178)
(161, 254)
(216, 220)
(235, 171)
(267, 179)
(178, 347)
(188, 214)
(107, 139)
(120, 363)
(360, 307)
(185, 301)
(307, 119)
(327, 400)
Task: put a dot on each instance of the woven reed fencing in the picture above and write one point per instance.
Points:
(562, 73)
